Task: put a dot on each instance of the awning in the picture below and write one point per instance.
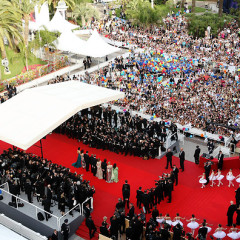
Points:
(32, 114)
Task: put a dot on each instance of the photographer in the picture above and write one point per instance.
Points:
(202, 232)
(178, 232)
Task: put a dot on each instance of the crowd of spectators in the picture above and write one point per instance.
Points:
(40, 178)
(118, 132)
(190, 81)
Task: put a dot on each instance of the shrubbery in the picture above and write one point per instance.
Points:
(197, 24)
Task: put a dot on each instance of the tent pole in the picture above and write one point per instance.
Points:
(41, 148)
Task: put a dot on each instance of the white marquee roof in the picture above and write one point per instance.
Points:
(97, 47)
(33, 113)
(69, 42)
(58, 23)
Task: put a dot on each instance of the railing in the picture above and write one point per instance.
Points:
(38, 209)
(87, 201)
(19, 228)
(75, 207)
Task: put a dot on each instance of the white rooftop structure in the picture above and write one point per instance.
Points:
(69, 42)
(58, 23)
(96, 47)
(32, 114)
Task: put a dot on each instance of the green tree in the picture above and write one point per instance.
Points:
(10, 25)
(86, 12)
(70, 3)
(26, 8)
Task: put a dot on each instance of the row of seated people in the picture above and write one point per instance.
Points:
(132, 135)
(40, 178)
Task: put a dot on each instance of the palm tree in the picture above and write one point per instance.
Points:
(70, 3)
(10, 26)
(86, 12)
(26, 8)
(193, 5)
(220, 11)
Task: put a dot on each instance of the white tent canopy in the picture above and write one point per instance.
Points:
(58, 23)
(69, 42)
(41, 17)
(96, 47)
(33, 113)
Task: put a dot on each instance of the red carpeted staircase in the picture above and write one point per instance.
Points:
(187, 198)
(83, 232)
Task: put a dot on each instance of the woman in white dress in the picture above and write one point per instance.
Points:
(238, 178)
(233, 232)
(160, 219)
(202, 180)
(99, 174)
(168, 220)
(230, 178)
(177, 220)
(212, 177)
(109, 172)
(219, 233)
(219, 177)
(193, 224)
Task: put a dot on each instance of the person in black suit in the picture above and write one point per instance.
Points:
(169, 158)
(178, 232)
(175, 173)
(237, 196)
(202, 232)
(231, 210)
(104, 231)
(145, 201)
(139, 197)
(126, 193)
(28, 190)
(207, 168)
(87, 160)
(65, 229)
(91, 227)
(197, 154)
(104, 168)
(182, 159)
(54, 235)
(46, 206)
(131, 212)
(94, 165)
(220, 160)
(87, 211)
(49, 192)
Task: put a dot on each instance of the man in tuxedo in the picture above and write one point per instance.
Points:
(207, 168)
(46, 206)
(237, 196)
(175, 173)
(131, 212)
(104, 168)
(197, 154)
(220, 160)
(94, 165)
(87, 211)
(182, 159)
(91, 226)
(126, 193)
(87, 160)
(139, 197)
(49, 192)
(231, 210)
(65, 229)
(169, 158)
(202, 232)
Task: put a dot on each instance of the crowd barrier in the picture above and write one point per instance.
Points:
(29, 210)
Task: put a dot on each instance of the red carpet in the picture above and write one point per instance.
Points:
(188, 198)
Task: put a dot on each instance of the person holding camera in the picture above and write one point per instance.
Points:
(178, 232)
